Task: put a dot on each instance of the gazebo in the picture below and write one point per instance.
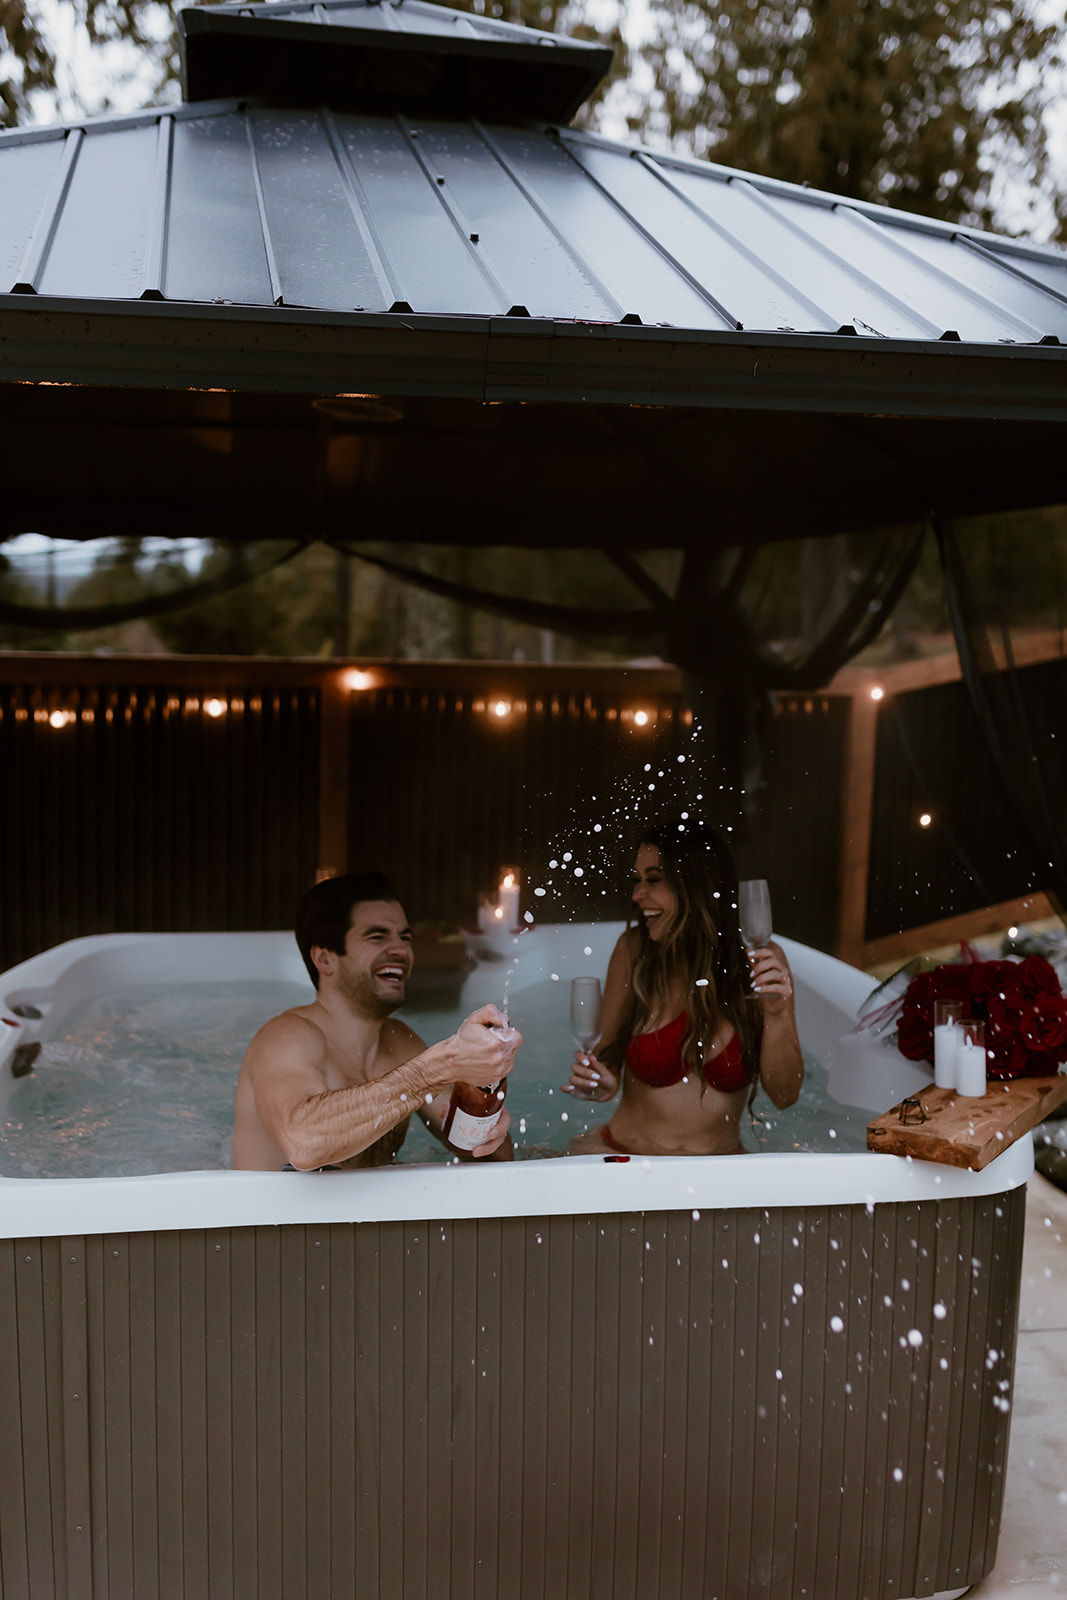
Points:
(366, 282)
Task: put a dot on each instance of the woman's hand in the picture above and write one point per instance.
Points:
(771, 979)
(591, 1079)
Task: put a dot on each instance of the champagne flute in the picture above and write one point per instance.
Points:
(587, 1014)
(754, 912)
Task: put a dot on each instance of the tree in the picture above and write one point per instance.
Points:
(32, 45)
(903, 102)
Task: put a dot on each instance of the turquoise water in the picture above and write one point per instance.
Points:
(143, 1081)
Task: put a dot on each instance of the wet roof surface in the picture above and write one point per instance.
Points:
(276, 199)
(337, 211)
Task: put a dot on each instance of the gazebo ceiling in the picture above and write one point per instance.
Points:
(564, 340)
(92, 462)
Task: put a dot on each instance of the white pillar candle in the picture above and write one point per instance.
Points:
(970, 1070)
(508, 902)
(946, 1035)
(487, 917)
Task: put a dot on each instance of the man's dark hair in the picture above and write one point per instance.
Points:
(325, 912)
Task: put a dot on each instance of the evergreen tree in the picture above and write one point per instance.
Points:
(901, 102)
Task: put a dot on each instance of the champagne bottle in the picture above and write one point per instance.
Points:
(473, 1113)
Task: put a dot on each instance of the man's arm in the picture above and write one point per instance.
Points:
(315, 1126)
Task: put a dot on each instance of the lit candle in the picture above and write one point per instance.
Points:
(947, 1014)
(508, 899)
(970, 1061)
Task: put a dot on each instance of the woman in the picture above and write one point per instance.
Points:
(691, 1023)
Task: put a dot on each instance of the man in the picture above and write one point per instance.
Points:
(333, 1083)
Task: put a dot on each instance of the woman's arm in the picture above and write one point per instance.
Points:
(591, 1078)
(781, 1064)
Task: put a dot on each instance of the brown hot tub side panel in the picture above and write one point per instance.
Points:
(571, 1408)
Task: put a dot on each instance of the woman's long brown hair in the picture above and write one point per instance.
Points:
(703, 942)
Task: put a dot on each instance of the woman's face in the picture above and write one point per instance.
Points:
(653, 896)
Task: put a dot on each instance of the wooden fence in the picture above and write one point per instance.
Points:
(168, 793)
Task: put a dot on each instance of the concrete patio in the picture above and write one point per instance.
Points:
(1032, 1558)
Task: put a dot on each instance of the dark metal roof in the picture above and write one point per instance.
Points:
(336, 211)
(714, 356)
(386, 54)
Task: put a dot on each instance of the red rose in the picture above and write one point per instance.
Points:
(1041, 1064)
(1006, 1058)
(952, 982)
(922, 991)
(1007, 1012)
(915, 1033)
(988, 978)
(1037, 976)
(1046, 1026)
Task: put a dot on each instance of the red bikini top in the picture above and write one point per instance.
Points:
(656, 1059)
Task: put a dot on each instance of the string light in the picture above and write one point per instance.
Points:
(925, 819)
(877, 693)
(215, 707)
(356, 678)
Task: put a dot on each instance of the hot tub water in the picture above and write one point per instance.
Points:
(142, 1081)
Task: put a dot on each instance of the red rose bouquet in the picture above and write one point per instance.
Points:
(1020, 1002)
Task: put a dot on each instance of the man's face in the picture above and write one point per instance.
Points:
(374, 970)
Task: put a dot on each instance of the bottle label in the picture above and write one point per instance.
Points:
(468, 1132)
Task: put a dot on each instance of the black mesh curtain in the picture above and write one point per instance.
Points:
(740, 622)
(1000, 574)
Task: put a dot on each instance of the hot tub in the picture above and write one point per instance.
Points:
(775, 1375)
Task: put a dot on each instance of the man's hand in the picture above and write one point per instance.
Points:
(482, 1049)
(591, 1079)
(500, 1137)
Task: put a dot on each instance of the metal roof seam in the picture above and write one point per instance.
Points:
(40, 241)
(958, 287)
(455, 216)
(532, 198)
(994, 256)
(639, 227)
(385, 268)
(99, 126)
(257, 184)
(649, 164)
(756, 195)
(155, 250)
(824, 199)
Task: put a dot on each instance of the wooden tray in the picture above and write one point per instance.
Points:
(968, 1133)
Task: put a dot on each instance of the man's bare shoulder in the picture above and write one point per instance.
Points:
(292, 1035)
